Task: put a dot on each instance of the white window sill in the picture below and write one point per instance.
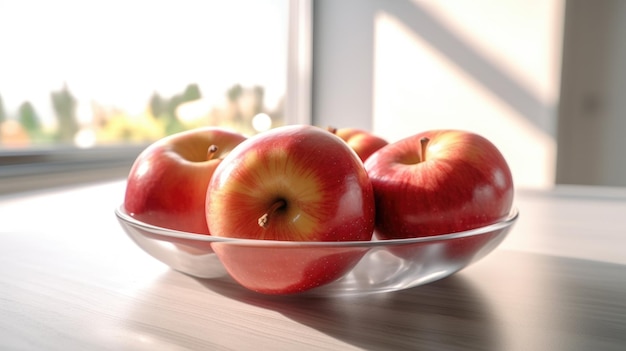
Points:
(33, 169)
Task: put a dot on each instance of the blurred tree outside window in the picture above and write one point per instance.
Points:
(96, 73)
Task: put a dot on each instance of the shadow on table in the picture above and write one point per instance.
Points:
(447, 314)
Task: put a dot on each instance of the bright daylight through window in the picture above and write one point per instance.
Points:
(81, 74)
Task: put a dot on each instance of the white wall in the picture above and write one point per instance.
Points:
(488, 66)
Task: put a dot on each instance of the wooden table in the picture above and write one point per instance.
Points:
(70, 279)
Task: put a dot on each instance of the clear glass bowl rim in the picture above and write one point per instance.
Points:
(120, 212)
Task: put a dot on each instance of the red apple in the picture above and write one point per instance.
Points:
(280, 269)
(437, 182)
(167, 183)
(362, 142)
(291, 183)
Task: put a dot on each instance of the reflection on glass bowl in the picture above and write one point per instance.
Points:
(350, 267)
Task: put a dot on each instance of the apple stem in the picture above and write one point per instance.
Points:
(424, 143)
(211, 152)
(332, 129)
(265, 218)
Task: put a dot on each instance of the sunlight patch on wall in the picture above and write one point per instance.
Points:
(417, 87)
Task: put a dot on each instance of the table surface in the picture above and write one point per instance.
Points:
(70, 279)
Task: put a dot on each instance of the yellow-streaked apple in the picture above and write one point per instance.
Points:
(291, 183)
(168, 181)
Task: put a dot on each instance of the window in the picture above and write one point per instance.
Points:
(77, 77)
(105, 72)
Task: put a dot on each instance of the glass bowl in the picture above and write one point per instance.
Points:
(318, 268)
